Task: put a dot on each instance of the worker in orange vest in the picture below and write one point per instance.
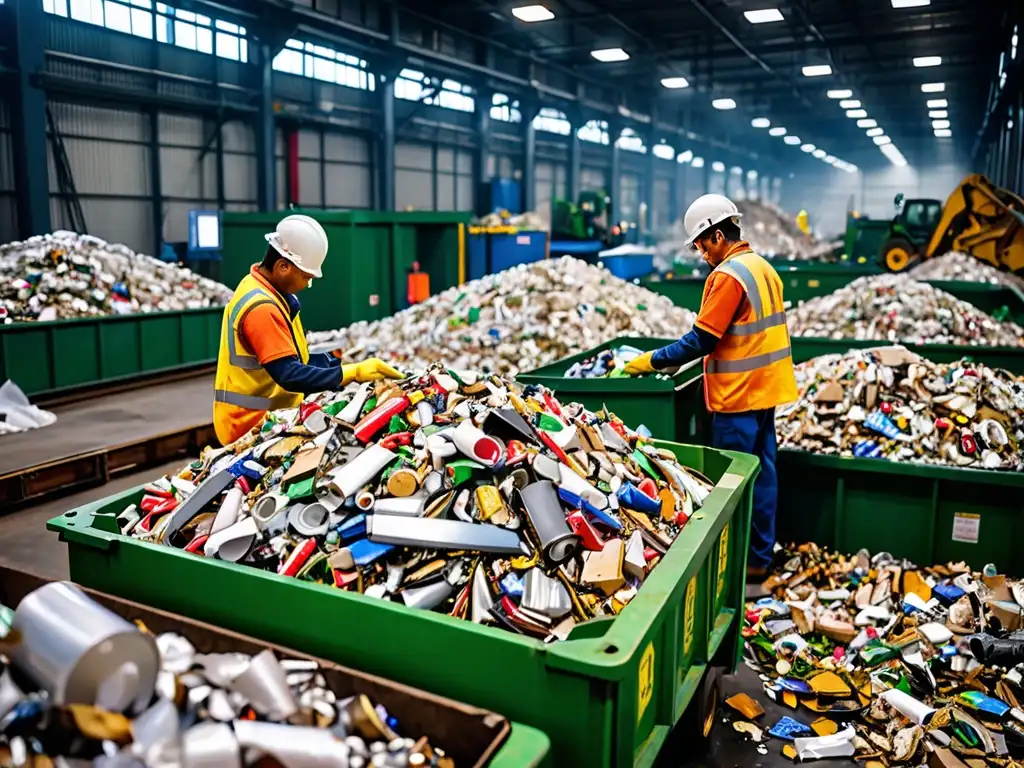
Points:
(748, 367)
(264, 363)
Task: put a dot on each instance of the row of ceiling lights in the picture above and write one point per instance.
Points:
(940, 123)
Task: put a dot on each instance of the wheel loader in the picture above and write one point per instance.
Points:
(979, 218)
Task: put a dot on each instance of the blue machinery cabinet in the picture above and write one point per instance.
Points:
(496, 249)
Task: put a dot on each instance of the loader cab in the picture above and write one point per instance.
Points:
(919, 218)
(909, 232)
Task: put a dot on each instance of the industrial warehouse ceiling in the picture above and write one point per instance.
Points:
(756, 53)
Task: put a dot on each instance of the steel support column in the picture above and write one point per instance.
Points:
(615, 183)
(266, 160)
(386, 167)
(529, 160)
(647, 202)
(573, 186)
(28, 115)
(481, 182)
(156, 184)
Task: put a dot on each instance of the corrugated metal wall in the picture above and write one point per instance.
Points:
(188, 177)
(108, 152)
(662, 214)
(431, 177)
(8, 202)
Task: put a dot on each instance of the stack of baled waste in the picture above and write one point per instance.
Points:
(514, 321)
(963, 266)
(899, 308)
(65, 275)
(446, 491)
(890, 403)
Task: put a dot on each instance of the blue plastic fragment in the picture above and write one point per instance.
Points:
(947, 594)
(237, 468)
(632, 497)
(365, 551)
(353, 528)
(787, 728)
(794, 685)
(602, 516)
(867, 449)
(949, 651)
(512, 586)
(643, 431)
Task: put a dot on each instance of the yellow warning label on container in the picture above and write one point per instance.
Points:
(723, 562)
(645, 687)
(689, 615)
(814, 283)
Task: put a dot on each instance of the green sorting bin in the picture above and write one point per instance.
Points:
(52, 357)
(369, 255)
(652, 402)
(999, 300)
(608, 696)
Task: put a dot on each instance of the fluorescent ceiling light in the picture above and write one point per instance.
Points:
(910, 3)
(868, 123)
(875, 132)
(808, 148)
(792, 140)
(752, 175)
(675, 82)
(763, 16)
(685, 157)
(610, 54)
(933, 88)
(895, 156)
(927, 61)
(777, 131)
(940, 123)
(718, 166)
(849, 104)
(819, 153)
(831, 159)
(856, 113)
(938, 114)
(736, 171)
(882, 140)
(943, 133)
(839, 94)
(817, 70)
(698, 162)
(532, 13)
(760, 122)
(937, 104)
(723, 104)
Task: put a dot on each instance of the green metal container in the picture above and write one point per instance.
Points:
(927, 514)
(864, 239)
(652, 402)
(369, 255)
(51, 357)
(1000, 301)
(608, 696)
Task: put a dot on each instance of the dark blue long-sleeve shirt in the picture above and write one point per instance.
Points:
(697, 343)
(322, 372)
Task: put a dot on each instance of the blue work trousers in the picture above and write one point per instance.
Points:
(754, 432)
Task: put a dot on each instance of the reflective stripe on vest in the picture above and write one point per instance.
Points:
(748, 363)
(245, 362)
(251, 402)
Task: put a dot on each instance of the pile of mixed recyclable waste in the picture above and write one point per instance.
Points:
(885, 662)
(608, 364)
(65, 275)
(514, 321)
(446, 491)
(963, 266)
(899, 308)
(80, 685)
(890, 403)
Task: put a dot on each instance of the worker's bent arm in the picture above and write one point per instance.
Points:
(292, 375)
(323, 360)
(697, 343)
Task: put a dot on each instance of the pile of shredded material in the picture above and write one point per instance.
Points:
(65, 275)
(886, 662)
(447, 491)
(161, 702)
(890, 403)
(514, 321)
(899, 308)
(962, 266)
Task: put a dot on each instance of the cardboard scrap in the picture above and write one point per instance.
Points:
(745, 705)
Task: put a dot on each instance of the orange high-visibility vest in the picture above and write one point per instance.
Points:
(751, 368)
(243, 390)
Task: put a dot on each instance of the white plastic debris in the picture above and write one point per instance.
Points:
(962, 266)
(820, 747)
(66, 275)
(899, 308)
(17, 414)
(514, 321)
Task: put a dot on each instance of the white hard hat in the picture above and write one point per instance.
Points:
(705, 212)
(302, 241)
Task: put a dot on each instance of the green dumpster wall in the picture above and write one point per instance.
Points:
(47, 358)
(368, 256)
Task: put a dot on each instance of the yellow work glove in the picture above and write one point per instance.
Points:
(639, 365)
(372, 369)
